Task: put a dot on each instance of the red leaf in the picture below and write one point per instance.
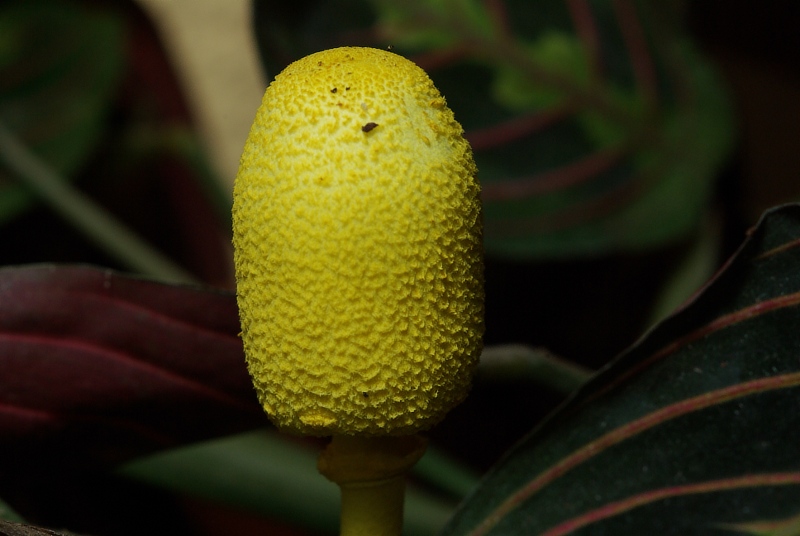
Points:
(97, 367)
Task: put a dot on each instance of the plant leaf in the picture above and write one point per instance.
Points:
(694, 430)
(596, 126)
(99, 368)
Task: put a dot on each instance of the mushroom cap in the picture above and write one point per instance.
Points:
(358, 248)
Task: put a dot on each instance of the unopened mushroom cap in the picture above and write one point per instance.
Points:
(358, 253)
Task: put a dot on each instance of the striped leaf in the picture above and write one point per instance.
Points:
(694, 430)
(597, 126)
(97, 368)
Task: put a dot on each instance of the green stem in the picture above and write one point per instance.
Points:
(371, 474)
(89, 218)
(373, 508)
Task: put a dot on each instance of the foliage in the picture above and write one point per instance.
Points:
(671, 437)
(50, 48)
(597, 128)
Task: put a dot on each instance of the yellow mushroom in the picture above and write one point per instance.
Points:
(358, 252)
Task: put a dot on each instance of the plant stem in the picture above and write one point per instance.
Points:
(97, 224)
(371, 508)
(371, 474)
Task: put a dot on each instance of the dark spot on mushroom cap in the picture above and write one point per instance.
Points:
(369, 126)
(334, 90)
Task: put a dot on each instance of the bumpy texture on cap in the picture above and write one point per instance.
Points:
(357, 236)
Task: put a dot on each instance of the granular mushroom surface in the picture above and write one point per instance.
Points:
(358, 253)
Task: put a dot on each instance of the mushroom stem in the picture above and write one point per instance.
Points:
(373, 508)
(370, 472)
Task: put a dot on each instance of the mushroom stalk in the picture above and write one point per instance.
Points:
(357, 239)
(371, 474)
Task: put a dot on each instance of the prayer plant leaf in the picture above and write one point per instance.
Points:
(99, 368)
(596, 126)
(59, 66)
(693, 430)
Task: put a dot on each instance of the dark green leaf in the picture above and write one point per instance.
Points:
(694, 430)
(59, 64)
